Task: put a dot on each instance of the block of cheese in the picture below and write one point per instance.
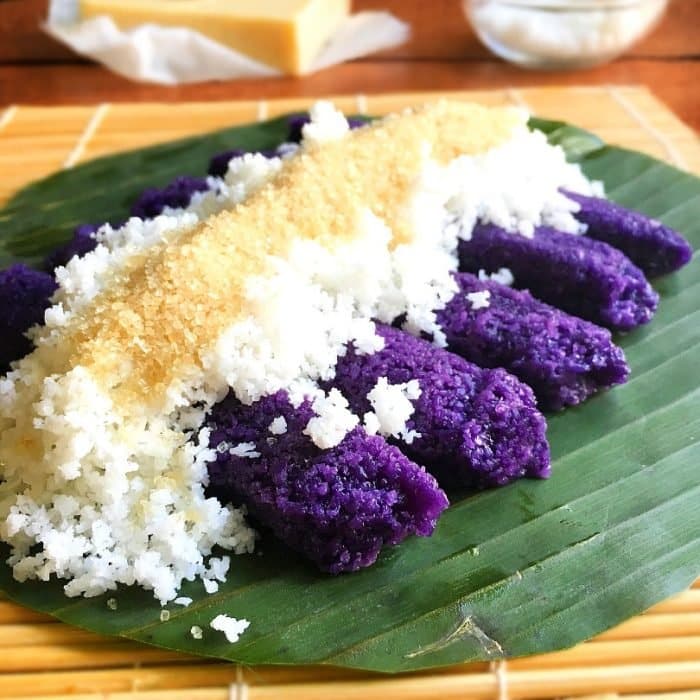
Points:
(284, 34)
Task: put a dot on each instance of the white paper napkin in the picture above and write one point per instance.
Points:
(170, 56)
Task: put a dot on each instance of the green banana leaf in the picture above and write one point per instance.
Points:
(529, 568)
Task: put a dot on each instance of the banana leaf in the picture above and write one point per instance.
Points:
(530, 568)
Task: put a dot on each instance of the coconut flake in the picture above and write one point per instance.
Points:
(278, 426)
(245, 449)
(230, 626)
(327, 124)
(332, 422)
(479, 300)
(502, 276)
(393, 406)
(210, 586)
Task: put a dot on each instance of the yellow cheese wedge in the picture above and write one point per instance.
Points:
(284, 34)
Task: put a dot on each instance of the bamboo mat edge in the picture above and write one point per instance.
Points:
(629, 116)
(656, 655)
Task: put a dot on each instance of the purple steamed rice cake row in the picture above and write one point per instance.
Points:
(338, 506)
(472, 426)
(563, 358)
(578, 274)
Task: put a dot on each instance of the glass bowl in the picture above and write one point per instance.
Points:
(561, 34)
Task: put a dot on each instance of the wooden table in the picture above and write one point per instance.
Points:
(443, 54)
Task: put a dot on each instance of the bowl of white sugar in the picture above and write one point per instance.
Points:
(562, 34)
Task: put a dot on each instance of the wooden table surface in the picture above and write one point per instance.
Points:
(443, 54)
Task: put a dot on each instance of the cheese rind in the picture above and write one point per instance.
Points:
(283, 34)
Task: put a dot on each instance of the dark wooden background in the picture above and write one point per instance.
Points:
(443, 54)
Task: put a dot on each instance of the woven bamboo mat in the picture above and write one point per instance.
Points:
(654, 655)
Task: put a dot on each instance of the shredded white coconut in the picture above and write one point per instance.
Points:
(210, 586)
(102, 517)
(392, 404)
(327, 124)
(218, 568)
(230, 626)
(278, 426)
(410, 435)
(503, 276)
(245, 449)
(196, 632)
(479, 300)
(371, 423)
(517, 186)
(185, 601)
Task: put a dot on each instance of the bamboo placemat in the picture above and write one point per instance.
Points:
(656, 655)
